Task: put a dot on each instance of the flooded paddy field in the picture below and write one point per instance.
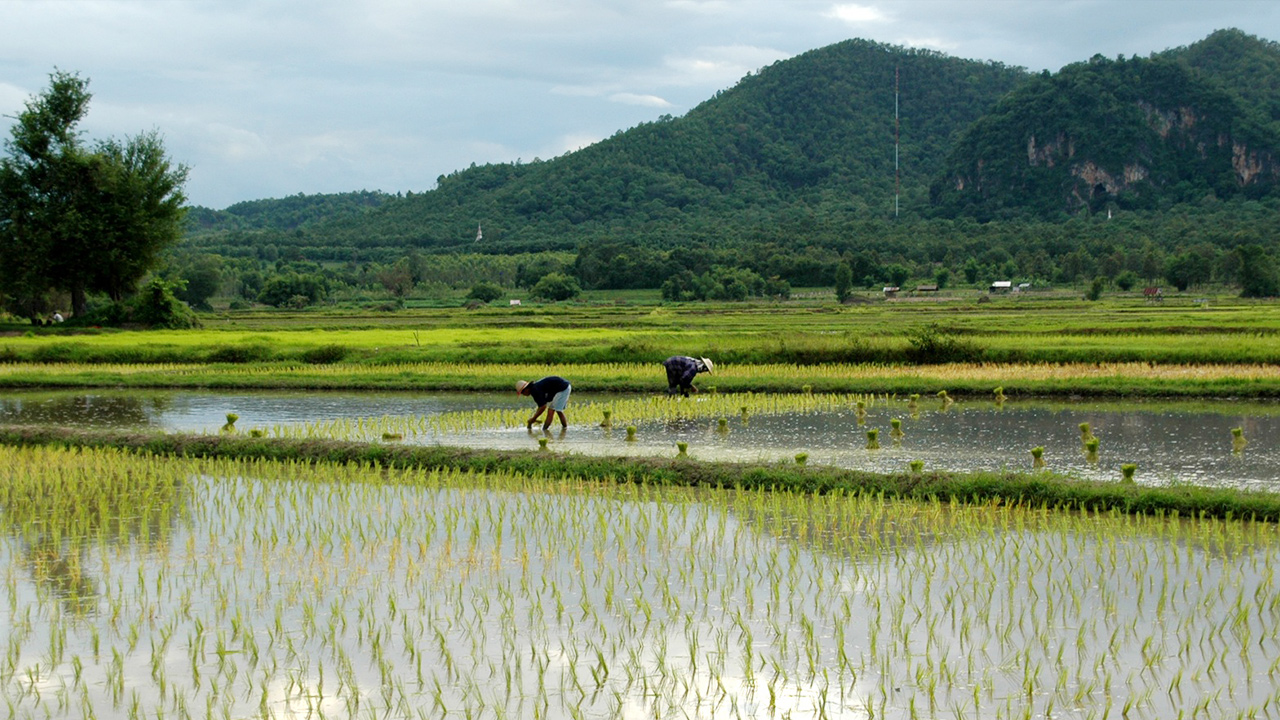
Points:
(1170, 441)
(144, 587)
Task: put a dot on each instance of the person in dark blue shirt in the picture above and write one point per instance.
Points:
(553, 392)
(680, 373)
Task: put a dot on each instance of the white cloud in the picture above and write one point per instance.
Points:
(572, 142)
(12, 99)
(268, 99)
(856, 14)
(931, 43)
(718, 67)
(634, 99)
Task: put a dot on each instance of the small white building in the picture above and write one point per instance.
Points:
(1001, 286)
(515, 303)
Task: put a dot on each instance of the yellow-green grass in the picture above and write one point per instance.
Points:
(998, 331)
(1238, 380)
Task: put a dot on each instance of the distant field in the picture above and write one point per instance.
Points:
(1023, 329)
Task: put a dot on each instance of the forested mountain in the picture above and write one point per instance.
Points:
(789, 176)
(290, 213)
(812, 135)
(1135, 134)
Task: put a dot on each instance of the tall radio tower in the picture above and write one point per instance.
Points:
(895, 142)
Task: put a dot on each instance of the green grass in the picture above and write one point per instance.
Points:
(1033, 490)
(614, 344)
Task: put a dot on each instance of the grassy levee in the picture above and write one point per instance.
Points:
(972, 379)
(1026, 489)
(1005, 330)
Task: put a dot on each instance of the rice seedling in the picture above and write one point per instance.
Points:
(946, 399)
(999, 395)
(1086, 433)
(1091, 449)
(917, 467)
(1127, 471)
(802, 458)
(607, 414)
(1238, 440)
(682, 449)
(873, 442)
(722, 425)
(631, 433)
(1037, 458)
(895, 428)
(542, 443)
(224, 588)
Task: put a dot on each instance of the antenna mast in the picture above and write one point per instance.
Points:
(895, 142)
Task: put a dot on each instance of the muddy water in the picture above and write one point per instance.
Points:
(1169, 441)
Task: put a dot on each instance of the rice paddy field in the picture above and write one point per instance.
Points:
(146, 587)
(165, 586)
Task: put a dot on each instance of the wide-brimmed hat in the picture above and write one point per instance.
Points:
(520, 385)
(710, 365)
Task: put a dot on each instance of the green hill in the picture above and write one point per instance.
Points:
(790, 175)
(1136, 134)
(810, 135)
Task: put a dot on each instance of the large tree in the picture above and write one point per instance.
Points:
(79, 218)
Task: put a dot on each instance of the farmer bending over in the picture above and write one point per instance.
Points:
(681, 371)
(550, 391)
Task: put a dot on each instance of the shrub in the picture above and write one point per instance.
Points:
(325, 354)
(485, 292)
(556, 286)
(156, 306)
(931, 344)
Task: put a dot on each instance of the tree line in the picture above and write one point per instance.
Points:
(79, 218)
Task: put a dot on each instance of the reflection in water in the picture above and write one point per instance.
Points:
(59, 505)
(336, 591)
(1170, 441)
(81, 410)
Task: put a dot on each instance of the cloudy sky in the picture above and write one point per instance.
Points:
(268, 98)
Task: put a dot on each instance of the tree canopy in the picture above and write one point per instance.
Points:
(78, 218)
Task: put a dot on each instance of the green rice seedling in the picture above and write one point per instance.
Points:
(631, 433)
(722, 425)
(802, 458)
(1037, 458)
(1086, 432)
(1238, 440)
(542, 443)
(806, 389)
(946, 399)
(895, 427)
(230, 427)
(1091, 449)
(392, 436)
(873, 442)
(682, 449)
(999, 395)
(917, 467)
(1126, 472)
